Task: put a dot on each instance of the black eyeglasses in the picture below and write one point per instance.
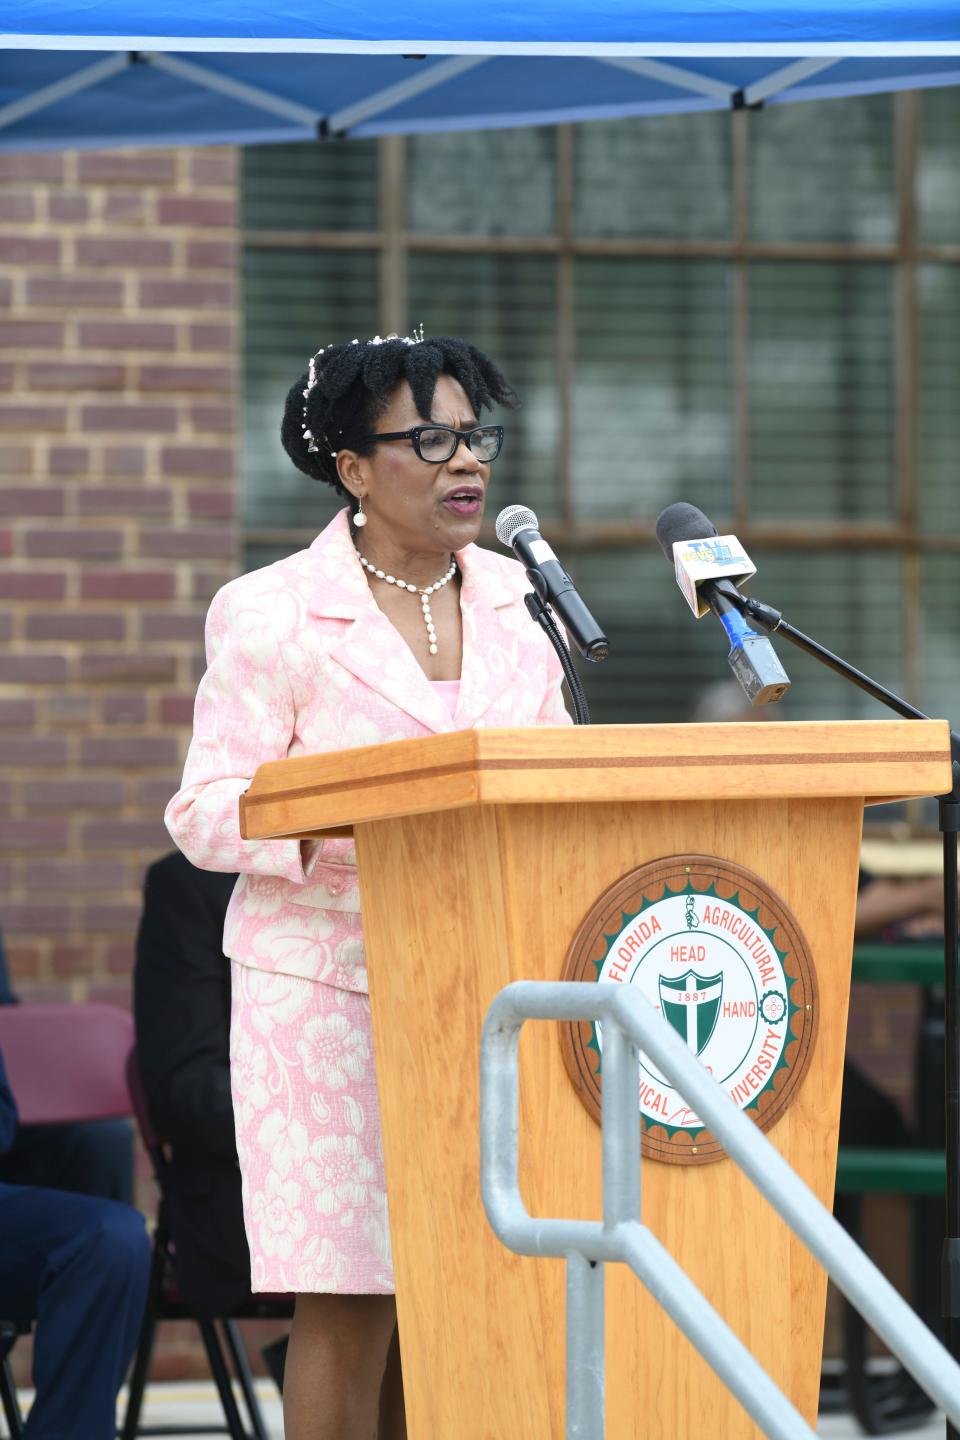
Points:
(437, 443)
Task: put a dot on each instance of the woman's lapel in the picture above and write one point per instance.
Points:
(370, 648)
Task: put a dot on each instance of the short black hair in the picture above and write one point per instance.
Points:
(354, 384)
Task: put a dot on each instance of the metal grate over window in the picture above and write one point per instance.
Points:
(755, 312)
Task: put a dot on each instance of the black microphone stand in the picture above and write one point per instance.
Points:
(541, 612)
(773, 622)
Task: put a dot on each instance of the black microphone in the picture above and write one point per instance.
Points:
(518, 529)
(711, 571)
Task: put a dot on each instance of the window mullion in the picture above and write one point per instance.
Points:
(393, 303)
(740, 302)
(906, 120)
(566, 314)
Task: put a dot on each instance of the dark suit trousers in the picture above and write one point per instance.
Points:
(90, 1157)
(79, 1267)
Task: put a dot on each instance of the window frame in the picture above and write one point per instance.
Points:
(393, 243)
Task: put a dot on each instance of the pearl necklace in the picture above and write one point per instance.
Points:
(424, 594)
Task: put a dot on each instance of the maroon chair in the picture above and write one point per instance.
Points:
(166, 1302)
(65, 1063)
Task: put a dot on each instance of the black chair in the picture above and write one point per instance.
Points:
(221, 1337)
(886, 1401)
(889, 1401)
(10, 1331)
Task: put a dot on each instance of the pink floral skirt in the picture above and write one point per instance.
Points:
(308, 1136)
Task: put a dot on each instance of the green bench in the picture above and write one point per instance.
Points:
(864, 1171)
(905, 962)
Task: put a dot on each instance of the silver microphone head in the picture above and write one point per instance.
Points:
(513, 519)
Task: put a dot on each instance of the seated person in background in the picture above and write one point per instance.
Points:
(78, 1266)
(886, 907)
(182, 1015)
(912, 906)
(89, 1157)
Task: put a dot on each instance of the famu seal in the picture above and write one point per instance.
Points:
(720, 956)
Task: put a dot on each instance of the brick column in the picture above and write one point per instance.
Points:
(118, 453)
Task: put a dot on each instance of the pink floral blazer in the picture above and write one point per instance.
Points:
(300, 660)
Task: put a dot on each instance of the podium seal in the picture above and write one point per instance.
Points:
(720, 955)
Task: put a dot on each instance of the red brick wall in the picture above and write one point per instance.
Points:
(118, 418)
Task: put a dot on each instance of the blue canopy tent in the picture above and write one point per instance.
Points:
(248, 71)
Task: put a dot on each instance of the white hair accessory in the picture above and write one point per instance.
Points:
(413, 339)
(312, 446)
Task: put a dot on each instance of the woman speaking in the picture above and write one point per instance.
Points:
(393, 624)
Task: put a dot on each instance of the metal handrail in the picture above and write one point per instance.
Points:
(631, 1024)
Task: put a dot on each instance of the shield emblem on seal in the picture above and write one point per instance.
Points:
(692, 1004)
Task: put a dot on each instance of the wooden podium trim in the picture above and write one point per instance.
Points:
(614, 762)
(881, 760)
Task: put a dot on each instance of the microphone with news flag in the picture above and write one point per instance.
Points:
(709, 569)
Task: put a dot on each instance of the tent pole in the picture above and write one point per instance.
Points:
(780, 80)
(426, 77)
(674, 75)
(251, 95)
(62, 89)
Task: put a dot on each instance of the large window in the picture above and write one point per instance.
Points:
(756, 312)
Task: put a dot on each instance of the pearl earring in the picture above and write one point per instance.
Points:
(360, 519)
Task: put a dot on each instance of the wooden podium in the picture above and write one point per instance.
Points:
(480, 853)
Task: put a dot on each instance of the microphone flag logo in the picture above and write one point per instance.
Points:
(718, 953)
(716, 557)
